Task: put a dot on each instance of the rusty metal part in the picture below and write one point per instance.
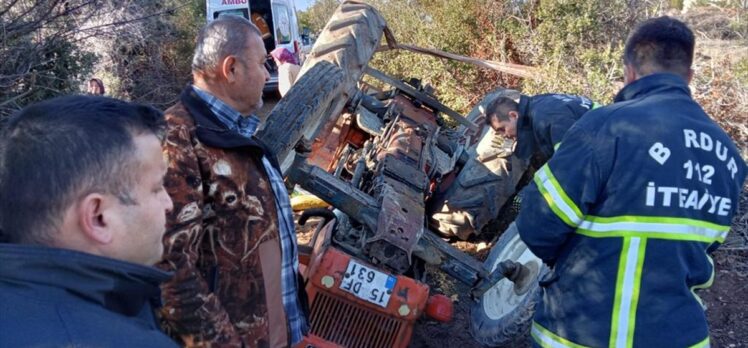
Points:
(343, 159)
(400, 224)
(363, 208)
(403, 159)
(418, 115)
(425, 98)
(360, 166)
(331, 141)
(449, 259)
(398, 169)
(340, 194)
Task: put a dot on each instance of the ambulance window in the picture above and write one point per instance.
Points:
(236, 12)
(282, 23)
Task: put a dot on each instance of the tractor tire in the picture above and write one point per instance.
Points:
(501, 317)
(307, 99)
(486, 182)
(348, 42)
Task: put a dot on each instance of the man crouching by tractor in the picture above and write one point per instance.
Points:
(537, 123)
(630, 205)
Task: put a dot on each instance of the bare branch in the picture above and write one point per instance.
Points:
(11, 100)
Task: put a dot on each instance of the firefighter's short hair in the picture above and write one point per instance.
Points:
(500, 108)
(662, 44)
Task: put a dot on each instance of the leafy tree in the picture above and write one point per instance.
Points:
(317, 15)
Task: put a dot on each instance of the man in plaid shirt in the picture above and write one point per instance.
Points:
(230, 239)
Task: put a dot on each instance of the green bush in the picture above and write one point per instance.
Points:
(741, 71)
(579, 43)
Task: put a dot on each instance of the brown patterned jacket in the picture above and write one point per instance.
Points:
(222, 238)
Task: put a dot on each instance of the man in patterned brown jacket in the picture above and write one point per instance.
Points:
(230, 238)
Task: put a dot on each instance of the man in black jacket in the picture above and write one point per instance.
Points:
(82, 214)
(537, 123)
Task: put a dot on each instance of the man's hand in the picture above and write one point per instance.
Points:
(184, 296)
(304, 146)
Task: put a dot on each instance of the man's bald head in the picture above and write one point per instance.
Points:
(227, 35)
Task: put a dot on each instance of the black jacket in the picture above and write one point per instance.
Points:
(62, 298)
(543, 121)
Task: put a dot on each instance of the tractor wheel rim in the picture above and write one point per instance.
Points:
(502, 299)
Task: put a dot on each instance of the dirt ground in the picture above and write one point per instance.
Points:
(456, 333)
(269, 100)
(727, 299)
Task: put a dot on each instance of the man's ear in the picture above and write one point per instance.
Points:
(93, 218)
(629, 74)
(690, 76)
(513, 115)
(228, 67)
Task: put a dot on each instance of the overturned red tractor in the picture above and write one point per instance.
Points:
(399, 179)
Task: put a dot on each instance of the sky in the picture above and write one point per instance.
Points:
(302, 5)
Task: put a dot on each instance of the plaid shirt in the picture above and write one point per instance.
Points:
(247, 126)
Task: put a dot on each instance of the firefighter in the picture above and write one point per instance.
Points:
(537, 123)
(629, 206)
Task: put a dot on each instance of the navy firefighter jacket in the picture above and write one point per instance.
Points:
(543, 121)
(626, 211)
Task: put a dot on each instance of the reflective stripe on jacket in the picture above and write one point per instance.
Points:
(626, 211)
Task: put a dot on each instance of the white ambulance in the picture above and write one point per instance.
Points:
(276, 20)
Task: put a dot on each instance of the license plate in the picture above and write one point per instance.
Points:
(368, 284)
